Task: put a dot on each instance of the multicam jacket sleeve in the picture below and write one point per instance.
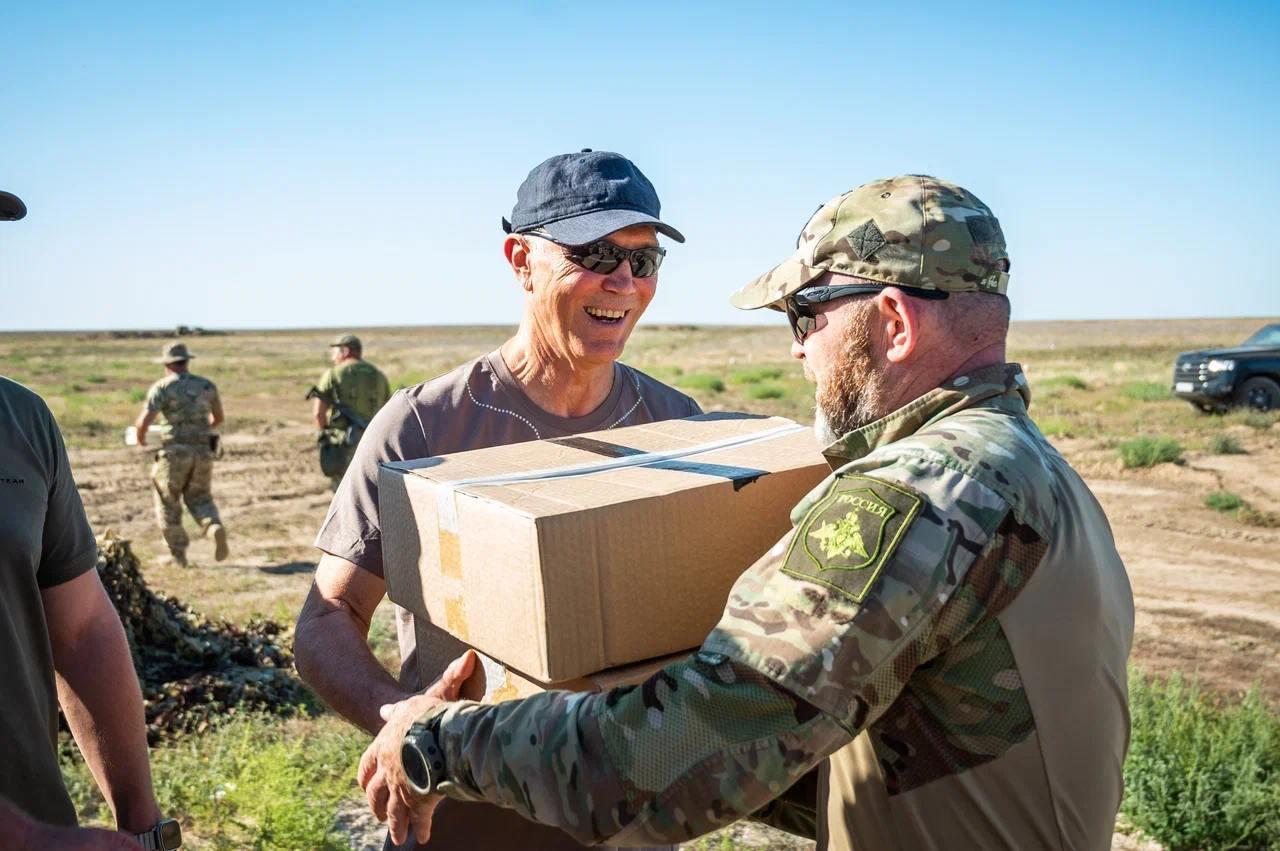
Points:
(885, 569)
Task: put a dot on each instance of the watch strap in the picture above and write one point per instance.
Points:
(154, 839)
(422, 756)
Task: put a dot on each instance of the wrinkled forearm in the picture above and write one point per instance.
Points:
(332, 655)
(693, 748)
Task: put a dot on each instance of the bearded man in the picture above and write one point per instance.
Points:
(943, 634)
(582, 244)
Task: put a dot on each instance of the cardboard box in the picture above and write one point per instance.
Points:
(493, 682)
(565, 557)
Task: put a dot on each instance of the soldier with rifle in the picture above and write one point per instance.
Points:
(345, 399)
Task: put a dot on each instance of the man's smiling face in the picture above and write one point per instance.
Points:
(586, 316)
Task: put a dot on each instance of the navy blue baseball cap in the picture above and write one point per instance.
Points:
(11, 207)
(577, 198)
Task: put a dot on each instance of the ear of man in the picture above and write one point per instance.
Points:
(901, 321)
(953, 328)
(516, 249)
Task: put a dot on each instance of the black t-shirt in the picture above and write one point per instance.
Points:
(45, 540)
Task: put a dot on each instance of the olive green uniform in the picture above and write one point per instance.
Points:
(183, 471)
(361, 387)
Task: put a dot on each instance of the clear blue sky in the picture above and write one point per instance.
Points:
(251, 164)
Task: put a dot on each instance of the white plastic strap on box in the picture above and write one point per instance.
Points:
(448, 514)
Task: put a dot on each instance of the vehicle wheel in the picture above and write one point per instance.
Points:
(1259, 393)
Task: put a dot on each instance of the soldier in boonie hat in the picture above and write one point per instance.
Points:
(175, 353)
(183, 472)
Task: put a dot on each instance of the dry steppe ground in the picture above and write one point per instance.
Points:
(1206, 582)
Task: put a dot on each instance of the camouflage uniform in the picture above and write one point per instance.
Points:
(359, 386)
(934, 657)
(183, 471)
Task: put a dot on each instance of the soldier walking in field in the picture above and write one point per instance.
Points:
(183, 471)
(345, 399)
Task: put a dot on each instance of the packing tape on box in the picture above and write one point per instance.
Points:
(497, 681)
(446, 506)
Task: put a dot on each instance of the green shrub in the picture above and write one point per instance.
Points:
(1074, 382)
(1149, 451)
(1223, 501)
(765, 391)
(702, 381)
(250, 782)
(1202, 773)
(137, 395)
(757, 374)
(1250, 516)
(96, 379)
(1226, 444)
(1261, 420)
(1146, 391)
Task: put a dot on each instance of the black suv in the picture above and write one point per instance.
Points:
(1247, 375)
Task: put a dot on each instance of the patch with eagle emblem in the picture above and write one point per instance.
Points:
(848, 536)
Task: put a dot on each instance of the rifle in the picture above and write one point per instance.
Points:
(358, 423)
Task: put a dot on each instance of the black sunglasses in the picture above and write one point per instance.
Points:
(799, 306)
(603, 257)
(803, 319)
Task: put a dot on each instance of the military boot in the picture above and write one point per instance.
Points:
(179, 557)
(219, 533)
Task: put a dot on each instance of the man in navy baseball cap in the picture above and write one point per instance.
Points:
(582, 246)
(575, 199)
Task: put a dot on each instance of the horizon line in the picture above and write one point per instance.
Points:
(200, 330)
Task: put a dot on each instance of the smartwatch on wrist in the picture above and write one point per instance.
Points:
(422, 757)
(164, 836)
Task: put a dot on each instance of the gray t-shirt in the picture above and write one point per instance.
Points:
(477, 405)
(45, 540)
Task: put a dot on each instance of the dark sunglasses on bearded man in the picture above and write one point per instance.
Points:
(799, 305)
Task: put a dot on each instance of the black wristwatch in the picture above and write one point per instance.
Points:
(165, 836)
(422, 757)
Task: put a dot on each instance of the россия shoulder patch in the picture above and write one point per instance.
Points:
(845, 540)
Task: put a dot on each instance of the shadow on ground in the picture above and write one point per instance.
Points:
(289, 568)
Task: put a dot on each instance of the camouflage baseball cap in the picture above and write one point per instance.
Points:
(175, 353)
(907, 231)
(351, 341)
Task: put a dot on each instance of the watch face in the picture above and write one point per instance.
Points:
(170, 835)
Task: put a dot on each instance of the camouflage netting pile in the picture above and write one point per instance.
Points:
(193, 669)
